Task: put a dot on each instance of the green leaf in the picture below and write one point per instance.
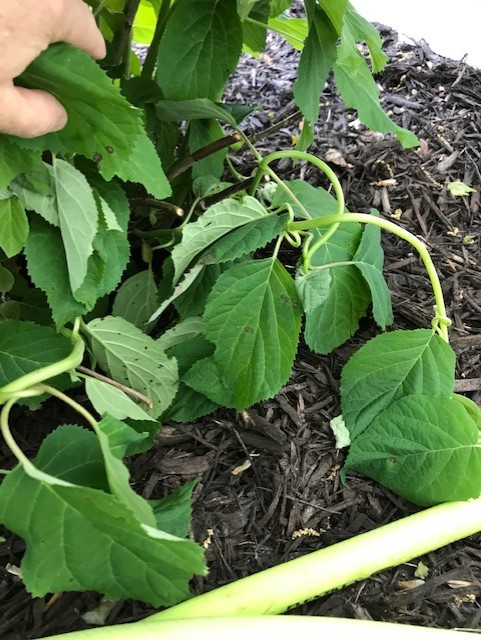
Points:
(369, 259)
(335, 320)
(89, 536)
(198, 109)
(144, 166)
(114, 437)
(458, 188)
(217, 221)
(189, 279)
(206, 379)
(335, 11)
(360, 91)
(26, 347)
(189, 405)
(254, 35)
(14, 161)
(78, 219)
(108, 399)
(390, 366)
(36, 192)
(102, 125)
(191, 351)
(201, 134)
(135, 360)
(316, 61)
(425, 449)
(293, 30)
(47, 266)
(7, 280)
(13, 226)
(244, 240)
(362, 30)
(316, 200)
(278, 6)
(200, 48)
(313, 288)
(253, 317)
(173, 513)
(137, 299)
(181, 332)
(144, 24)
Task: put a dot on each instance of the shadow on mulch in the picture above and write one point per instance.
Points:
(289, 500)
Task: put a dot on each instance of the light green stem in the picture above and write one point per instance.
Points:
(440, 322)
(304, 627)
(278, 589)
(75, 405)
(45, 373)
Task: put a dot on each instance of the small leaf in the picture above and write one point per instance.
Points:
(198, 109)
(137, 299)
(313, 288)
(340, 431)
(206, 379)
(14, 161)
(217, 221)
(390, 366)
(47, 266)
(108, 399)
(458, 188)
(78, 218)
(189, 405)
(181, 332)
(173, 513)
(253, 317)
(425, 449)
(36, 192)
(13, 226)
(359, 90)
(362, 30)
(134, 359)
(244, 240)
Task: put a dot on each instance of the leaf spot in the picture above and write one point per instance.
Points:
(249, 330)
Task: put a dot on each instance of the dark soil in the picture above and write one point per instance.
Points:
(290, 500)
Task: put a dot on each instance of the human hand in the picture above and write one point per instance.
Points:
(27, 27)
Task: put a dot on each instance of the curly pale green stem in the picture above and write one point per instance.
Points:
(440, 321)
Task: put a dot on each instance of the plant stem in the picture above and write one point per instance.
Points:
(89, 373)
(75, 405)
(122, 39)
(45, 373)
(151, 58)
(278, 589)
(264, 627)
(440, 322)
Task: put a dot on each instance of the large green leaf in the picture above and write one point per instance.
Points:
(206, 379)
(253, 317)
(91, 539)
(200, 48)
(47, 266)
(26, 347)
(13, 226)
(137, 299)
(316, 61)
(217, 221)
(336, 11)
(255, 33)
(313, 288)
(181, 332)
(391, 366)
(78, 218)
(102, 125)
(293, 30)
(360, 91)
(173, 513)
(134, 359)
(425, 449)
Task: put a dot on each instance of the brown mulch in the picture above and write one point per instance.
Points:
(290, 500)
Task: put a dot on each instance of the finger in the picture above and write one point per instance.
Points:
(76, 25)
(29, 113)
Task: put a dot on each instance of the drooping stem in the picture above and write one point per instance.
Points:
(75, 405)
(440, 321)
(278, 589)
(264, 627)
(45, 373)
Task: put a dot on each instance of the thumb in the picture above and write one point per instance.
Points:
(29, 113)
